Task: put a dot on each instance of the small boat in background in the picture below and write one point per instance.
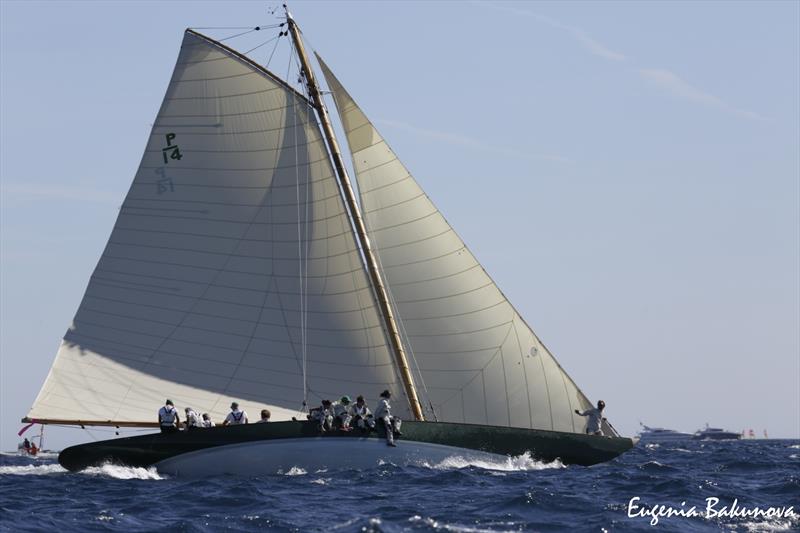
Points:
(650, 435)
(28, 446)
(710, 433)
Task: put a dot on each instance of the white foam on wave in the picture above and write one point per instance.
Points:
(516, 463)
(123, 472)
(294, 471)
(795, 446)
(652, 446)
(321, 481)
(32, 470)
(769, 527)
(442, 526)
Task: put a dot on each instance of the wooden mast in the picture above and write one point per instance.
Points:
(355, 215)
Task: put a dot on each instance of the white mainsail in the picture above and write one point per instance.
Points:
(478, 360)
(231, 258)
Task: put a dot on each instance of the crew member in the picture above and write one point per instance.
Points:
(207, 422)
(168, 418)
(265, 414)
(235, 417)
(192, 419)
(362, 416)
(384, 413)
(323, 415)
(341, 410)
(594, 424)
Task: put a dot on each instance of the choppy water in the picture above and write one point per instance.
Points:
(518, 494)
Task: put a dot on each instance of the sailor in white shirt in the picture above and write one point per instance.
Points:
(595, 423)
(265, 414)
(207, 422)
(168, 418)
(390, 423)
(341, 410)
(235, 417)
(361, 414)
(192, 419)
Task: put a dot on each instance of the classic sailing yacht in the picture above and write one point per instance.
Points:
(242, 267)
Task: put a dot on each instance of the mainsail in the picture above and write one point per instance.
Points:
(478, 360)
(231, 272)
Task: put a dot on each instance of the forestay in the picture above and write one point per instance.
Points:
(478, 359)
(232, 236)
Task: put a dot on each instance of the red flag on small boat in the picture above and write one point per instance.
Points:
(26, 428)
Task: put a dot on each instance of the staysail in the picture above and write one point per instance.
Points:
(231, 272)
(478, 360)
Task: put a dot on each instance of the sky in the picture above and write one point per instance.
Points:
(627, 172)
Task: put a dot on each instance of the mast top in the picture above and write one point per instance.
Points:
(289, 17)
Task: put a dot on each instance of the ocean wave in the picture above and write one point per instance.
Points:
(518, 463)
(32, 470)
(769, 527)
(294, 471)
(438, 525)
(123, 472)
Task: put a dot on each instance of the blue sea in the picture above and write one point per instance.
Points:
(518, 494)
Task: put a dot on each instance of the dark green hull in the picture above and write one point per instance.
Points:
(147, 450)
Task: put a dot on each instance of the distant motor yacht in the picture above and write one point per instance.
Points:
(710, 433)
(650, 435)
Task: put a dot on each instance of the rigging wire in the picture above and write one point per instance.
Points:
(265, 42)
(302, 258)
(277, 41)
(251, 30)
(234, 27)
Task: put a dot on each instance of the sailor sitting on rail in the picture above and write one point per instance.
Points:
(207, 422)
(341, 411)
(168, 418)
(192, 419)
(595, 422)
(362, 416)
(323, 415)
(384, 413)
(265, 414)
(235, 417)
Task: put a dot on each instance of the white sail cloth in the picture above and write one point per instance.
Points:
(478, 359)
(231, 247)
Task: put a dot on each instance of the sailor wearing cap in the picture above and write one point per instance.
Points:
(341, 410)
(235, 417)
(207, 422)
(168, 418)
(384, 413)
